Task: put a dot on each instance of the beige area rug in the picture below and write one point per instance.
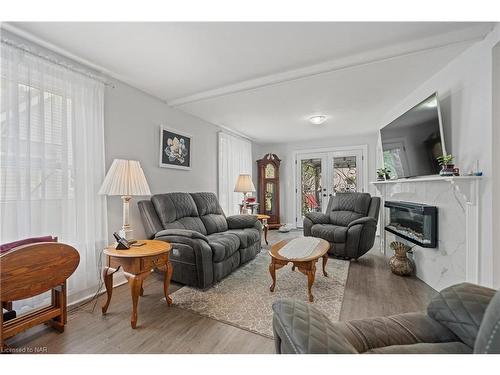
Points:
(243, 298)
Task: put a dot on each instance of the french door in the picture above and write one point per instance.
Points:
(320, 175)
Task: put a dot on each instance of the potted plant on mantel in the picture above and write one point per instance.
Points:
(383, 174)
(447, 166)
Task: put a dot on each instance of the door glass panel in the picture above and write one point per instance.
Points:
(345, 174)
(269, 201)
(310, 172)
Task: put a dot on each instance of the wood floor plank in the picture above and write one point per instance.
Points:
(371, 290)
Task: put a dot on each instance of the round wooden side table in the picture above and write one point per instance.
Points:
(137, 264)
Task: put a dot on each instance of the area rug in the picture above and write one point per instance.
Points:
(243, 298)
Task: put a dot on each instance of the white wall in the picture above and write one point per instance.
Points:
(465, 92)
(132, 119)
(285, 152)
(495, 139)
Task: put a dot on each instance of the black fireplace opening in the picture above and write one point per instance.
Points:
(415, 222)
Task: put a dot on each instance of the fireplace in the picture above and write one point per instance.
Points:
(414, 222)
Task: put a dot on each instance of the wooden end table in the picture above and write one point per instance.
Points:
(137, 264)
(306, 265)
(263, 219)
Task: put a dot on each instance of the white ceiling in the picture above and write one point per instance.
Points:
(265, 79)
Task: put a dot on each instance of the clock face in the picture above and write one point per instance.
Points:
(269, 171)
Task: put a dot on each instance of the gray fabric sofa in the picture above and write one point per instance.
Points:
(464, 318)
(349, 224)
(207, 245)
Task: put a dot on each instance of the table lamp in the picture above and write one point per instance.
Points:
(125, 178)
(244, 185)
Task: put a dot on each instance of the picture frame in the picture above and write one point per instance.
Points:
(175, 148)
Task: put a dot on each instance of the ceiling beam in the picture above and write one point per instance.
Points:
(464, 36)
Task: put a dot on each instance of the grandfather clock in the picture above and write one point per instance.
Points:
(269, 188)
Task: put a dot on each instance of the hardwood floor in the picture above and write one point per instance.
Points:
(371, 290)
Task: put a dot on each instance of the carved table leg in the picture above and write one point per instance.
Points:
(107, 275)
(310, 280)
(266, 229)
(169, 269)
(325, 259)
(141, 292)
(272, 271)
(135, 282)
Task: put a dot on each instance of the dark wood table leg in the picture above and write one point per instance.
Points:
(325, 259)
(272, 271)
(169, 269)
(107, 275)
(266, 229)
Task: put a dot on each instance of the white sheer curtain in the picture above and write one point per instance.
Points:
(52, 160)
(235, 158)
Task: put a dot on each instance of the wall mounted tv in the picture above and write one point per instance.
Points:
(412, 142)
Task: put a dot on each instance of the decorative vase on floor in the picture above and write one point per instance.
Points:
(400, 264)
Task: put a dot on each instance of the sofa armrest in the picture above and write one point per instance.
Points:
(241, 221)
(362, 221)
(301, 328)
(181, 233)
(318, 217)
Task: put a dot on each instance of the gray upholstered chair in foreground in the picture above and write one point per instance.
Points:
(349, 224)
(207, 245)
(463, 318)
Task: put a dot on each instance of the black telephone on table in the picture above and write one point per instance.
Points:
(123, 244)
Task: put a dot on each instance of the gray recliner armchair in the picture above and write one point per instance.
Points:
(207, 245)
(464, 318)
(349, 224)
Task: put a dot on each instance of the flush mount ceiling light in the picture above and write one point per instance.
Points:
(317, 120)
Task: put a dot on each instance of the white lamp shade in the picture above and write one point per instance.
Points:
(244, 184)
(125, 177)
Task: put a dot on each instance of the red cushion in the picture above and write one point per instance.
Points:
(9, 246)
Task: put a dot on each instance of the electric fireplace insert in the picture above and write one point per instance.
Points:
(415, 222)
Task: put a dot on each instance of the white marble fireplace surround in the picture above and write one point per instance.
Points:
(456, 258)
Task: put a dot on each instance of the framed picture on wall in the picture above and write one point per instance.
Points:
(175, 149)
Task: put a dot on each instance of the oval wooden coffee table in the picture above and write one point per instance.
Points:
(305, 260)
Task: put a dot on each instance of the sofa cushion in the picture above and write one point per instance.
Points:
(223, 245)
(346, 207)
(330, 232)
(247, 236)
(178, 211)
(210, 211)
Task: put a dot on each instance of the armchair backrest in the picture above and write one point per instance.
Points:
(210, 211)
(344, 208)
(461, 308)
(488, 337)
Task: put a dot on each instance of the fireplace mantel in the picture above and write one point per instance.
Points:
(466, 192)
(466, 186)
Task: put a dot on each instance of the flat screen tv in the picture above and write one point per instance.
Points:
(412, 142)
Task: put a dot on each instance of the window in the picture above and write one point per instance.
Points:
(235, 158)
(52, 160)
